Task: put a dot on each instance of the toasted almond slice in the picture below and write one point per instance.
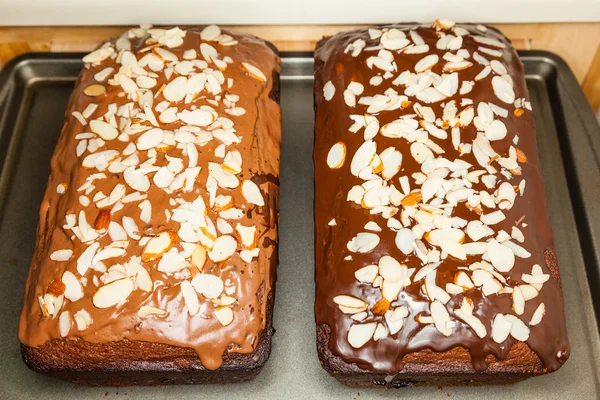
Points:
(336, 155)
(141, 276)
(114, 293)
(190, 297)
(465, 312)
(503, 90)
(405, 239)
(426, 63)
(223, 248)
(391, 270)
(145, 311)
(199, 256)
(457, 66)
(158, 245)
(176, 90)
(208, 285)
(64, 323)
(252, 193)
(443, 24)
(224, 315)
(73, 288)
(364, 242)
(441, 318)
(61, 255)
(254, 72)
(210, 33)
(518, 329)
(500, 328)
(538, 314)
(501, 256)
(103, 129)
(350, 302)
(367, 274)
(94, 90)
(412, 199)
(360, 334)
(328, 91)
(518, 301)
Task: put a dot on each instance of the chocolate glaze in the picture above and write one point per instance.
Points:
(335, 276)
(260, 131)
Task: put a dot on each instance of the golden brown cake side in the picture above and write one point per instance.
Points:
(157, 243)
(434, 257)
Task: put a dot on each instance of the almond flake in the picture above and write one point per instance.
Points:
(538, 314)
(336, 155)
(367, 274)
(224, 315)
(105, 130)
(223, 248)
(114, 293)
(61, 255)
(328, 91)
(501, 256)
(190, 297)
(176, 90)
(503, 90)
(73, 288)
(360, 334)
(252, 193)
(209, 286)
(441, 318)
(64, 323)
(500, 328)
(146, 311)
(364, 242)
(210, 33)
(254, 72)
(158, 245)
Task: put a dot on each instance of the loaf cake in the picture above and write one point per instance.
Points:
(156, 249)
(434, 257)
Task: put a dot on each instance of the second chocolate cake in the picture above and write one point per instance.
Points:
(435, 261)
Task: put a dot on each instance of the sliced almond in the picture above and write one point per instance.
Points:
(190, 297)
(538, 314)
(114, 293)
(64, 323)
(94, 90)
(360, 334)
(73, 289)
(224, 315)
(364, 242)
(223, 248)
(254, 72)
(146, 311)
(199, 256)
(252, 193)
(102, 220)
(500, 328)
(208, 285)
(336, 155)
(103, 129)
(158, 245)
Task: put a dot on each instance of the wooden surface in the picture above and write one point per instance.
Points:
(577, 43)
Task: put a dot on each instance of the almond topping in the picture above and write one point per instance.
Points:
(158, 245)
(102, 220)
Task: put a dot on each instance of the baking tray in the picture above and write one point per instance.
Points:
(34, 90)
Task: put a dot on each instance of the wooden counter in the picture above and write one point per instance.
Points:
(577, 43)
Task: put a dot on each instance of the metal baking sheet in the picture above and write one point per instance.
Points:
(34, 90)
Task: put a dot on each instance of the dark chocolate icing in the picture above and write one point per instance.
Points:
(335, 276)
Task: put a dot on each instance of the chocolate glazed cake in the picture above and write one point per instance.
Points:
(157, 243)
(435, 262)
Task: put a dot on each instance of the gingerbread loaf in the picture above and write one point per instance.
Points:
(156, 250)
(434, 256)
